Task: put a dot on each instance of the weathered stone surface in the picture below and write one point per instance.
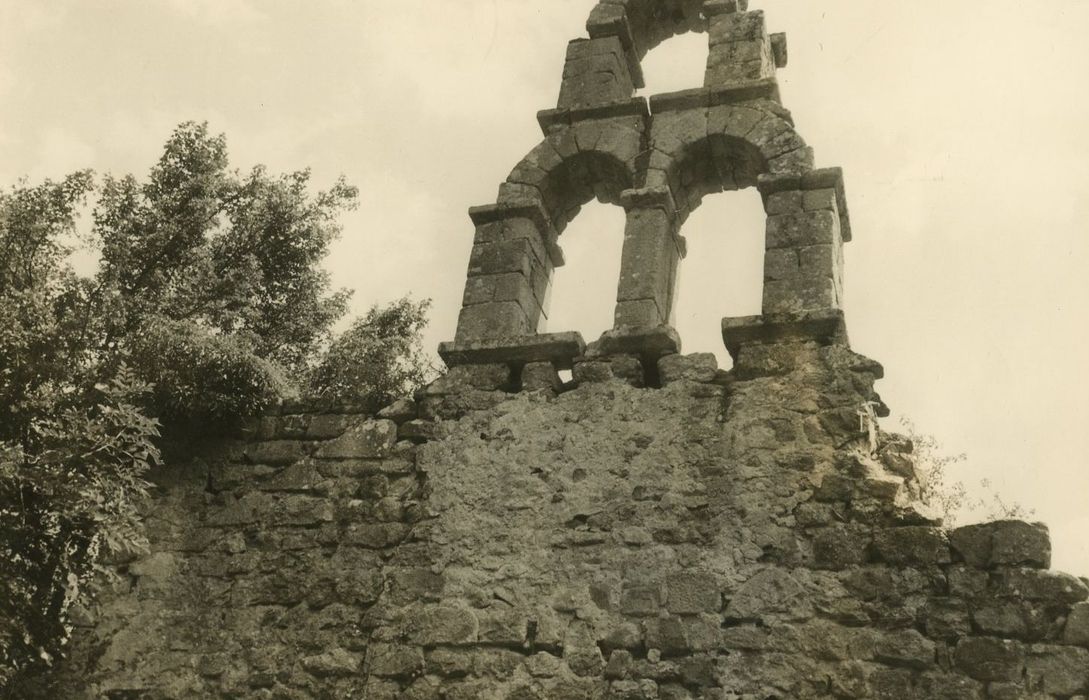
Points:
(1006, 542)
(912, 545)
(702, 367)
(990, 659)
(400, 411)
(373, 439)
(720, 536)
(335, 662)
(1057, 670)
(1049, 586)
(1077, 625)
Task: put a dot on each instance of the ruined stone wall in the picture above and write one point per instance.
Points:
(654, 528)
(727, 535)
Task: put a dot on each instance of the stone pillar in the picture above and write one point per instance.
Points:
(510, 270)
(741, 50)
(596, 71)
(648, 267)
(806, 227)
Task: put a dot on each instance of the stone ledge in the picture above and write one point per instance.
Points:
(820, 179)
(525, 209)
(611, 20)
(724, 7)
(702, 98)
(825, 326)
(558, 348)
(634, 107)
(650, 343)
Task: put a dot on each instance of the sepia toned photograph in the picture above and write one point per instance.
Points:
(544, 349)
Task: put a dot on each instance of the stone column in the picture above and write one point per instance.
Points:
(806, 228)
(648, 267)
(741, 50)
(596, 71)
(510, 270)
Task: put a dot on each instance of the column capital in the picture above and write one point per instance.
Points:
(529, 209)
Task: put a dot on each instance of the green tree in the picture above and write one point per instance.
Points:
(208, 296)
(378, 359)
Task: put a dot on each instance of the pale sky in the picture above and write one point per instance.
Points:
(960, 127)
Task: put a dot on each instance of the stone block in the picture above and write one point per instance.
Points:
(638, 313)
(540, 376)
(580, 650)
(324, 426)
(1018, 543)
(672, 132)
(298, 477)
(781, 264)
(275, 452)
(691, 593)
(799, 295)
(1076, 630)
(519, 255)
(418, 431)
(595, 72)
(511, 286)
(912, 545)
(784, 203)
(372, 439)
(806, 229)
(640, 601)
(1006, 542)
(712, 8)
(620, 663)
(735, 121)
(796, 162)
(820, 261)
(624, 367)
(435, 625)
(504, 626)
(493, 320)
(558, 348)
(1001, 618)
(990, 659)
(699, 367)
(1044, 586)
(1056, 670)
(905, 648)
(840, 547)
(667, 635)
(649, 258)
(822, 199)
(779, 49)
(394, 660)
(400, 411)
(334, 662)
(946, 618)
(736, 26)
(948, 686)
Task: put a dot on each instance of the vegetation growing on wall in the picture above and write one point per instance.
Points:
(208, 303)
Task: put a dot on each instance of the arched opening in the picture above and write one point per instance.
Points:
(583, 292)
(723, 274)
(582, 178)
(716, 164)
(677, 64)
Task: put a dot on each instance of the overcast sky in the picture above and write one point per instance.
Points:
(961, 127)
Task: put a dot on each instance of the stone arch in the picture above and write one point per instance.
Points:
(595, 159)
(646, 23)
(699, 151)
(657, 158)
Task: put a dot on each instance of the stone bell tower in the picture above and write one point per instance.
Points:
(655, 528)
(658, 159)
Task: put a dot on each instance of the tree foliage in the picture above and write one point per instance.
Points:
(379, 358)
(209, 295)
